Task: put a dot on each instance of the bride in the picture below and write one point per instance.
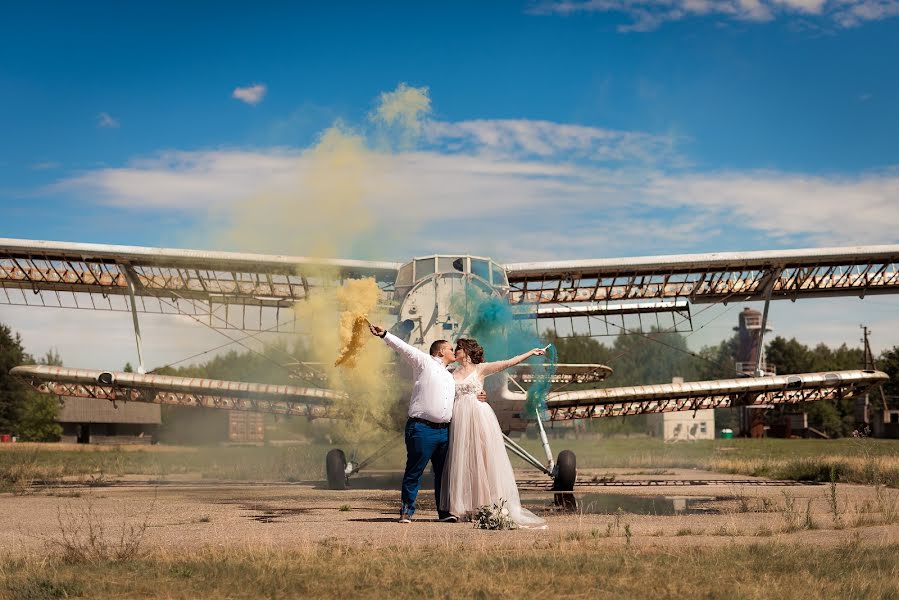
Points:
(478, 471)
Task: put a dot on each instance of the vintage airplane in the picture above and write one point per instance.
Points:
(256, 293)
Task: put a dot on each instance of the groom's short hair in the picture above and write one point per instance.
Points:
(436, 346)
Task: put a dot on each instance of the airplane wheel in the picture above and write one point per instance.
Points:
(566, 473)
(335, 467)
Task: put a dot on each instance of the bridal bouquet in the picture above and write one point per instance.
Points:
(494, 516)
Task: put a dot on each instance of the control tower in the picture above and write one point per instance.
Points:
(751, 362)
(749, 328)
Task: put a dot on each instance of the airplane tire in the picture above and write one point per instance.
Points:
(566, 473)
(335, 467)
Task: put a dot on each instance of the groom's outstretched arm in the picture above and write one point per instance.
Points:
(412, 355)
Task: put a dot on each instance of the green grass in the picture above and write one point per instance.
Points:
(858, 461)
(867, 461)
(556, 569)
(20, 465)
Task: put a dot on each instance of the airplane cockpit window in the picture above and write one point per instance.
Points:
(404, 277)
(481, 268)
(499, 275)
(449, 264)
(423, 268)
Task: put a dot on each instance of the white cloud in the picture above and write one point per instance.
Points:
(523, 178)
(107, 121)
(525, 138)
(251, 94)
(647, 15)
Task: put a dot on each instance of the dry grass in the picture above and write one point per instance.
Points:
(573, 568)
(85, 537)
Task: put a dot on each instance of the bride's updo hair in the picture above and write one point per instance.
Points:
(472, 348)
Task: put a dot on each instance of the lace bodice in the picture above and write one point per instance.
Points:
(470, 386)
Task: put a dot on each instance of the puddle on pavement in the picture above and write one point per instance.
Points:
(607, 504)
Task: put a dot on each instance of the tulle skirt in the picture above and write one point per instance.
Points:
(478, 471)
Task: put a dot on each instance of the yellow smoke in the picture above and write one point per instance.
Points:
(358, 328)
(403, 111)
(370, 394)
(324, 213)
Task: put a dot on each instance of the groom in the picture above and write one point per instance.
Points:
(430, 412)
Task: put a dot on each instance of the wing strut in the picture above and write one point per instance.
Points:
(130, 277)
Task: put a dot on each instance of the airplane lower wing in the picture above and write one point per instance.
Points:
(699, 395)
(179, 391)
(578, 404)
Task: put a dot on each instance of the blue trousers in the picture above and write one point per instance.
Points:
(423, 444)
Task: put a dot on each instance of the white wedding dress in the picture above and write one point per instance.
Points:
(478, 471)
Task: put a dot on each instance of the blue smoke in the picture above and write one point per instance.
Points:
(492, 323)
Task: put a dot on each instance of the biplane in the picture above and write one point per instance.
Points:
(257, 293)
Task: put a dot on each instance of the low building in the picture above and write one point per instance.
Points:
(99, 421)
(682, 425)
(190, 425)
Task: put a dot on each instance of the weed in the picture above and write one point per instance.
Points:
(887, 505)
(618, 514)
(807, 522)
(790, 515)
(204, 519)
(83, 538)
(833, 501)
(344, 508)
(627, 533)
(686, 531)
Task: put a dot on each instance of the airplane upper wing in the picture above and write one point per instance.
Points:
(698, 395)
(222, 287)
(706, 278)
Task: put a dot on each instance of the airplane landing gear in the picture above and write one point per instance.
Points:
(566, 472)
(339, 469)
(563, 480)
(335, 468)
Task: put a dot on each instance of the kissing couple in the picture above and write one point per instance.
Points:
(451, 426)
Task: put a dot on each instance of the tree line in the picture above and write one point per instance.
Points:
(654, 357)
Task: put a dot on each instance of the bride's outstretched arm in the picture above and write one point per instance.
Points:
(487, 369)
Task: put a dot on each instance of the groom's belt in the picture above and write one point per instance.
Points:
(430, 423)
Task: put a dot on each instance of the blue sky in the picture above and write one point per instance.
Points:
(555, 130)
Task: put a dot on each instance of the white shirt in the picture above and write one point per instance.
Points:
(434, 387)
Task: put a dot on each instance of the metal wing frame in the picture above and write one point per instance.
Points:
(227, 290)
(700, 395)
(707, 278)
(179, 391)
